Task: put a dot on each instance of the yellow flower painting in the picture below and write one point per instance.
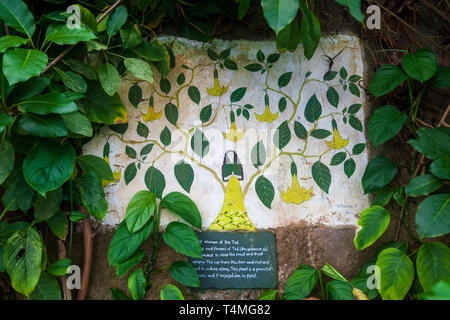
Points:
(337, 142)
(296, 194)
(152, 115)
(233, 135)
(217, 90)
(267, 116)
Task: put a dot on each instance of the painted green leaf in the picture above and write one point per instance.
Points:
(358, 148)
(238, 94)
(338, 158)
(170, 292)
(330, 75)
(396, 274)
(320, 133)
(374, 222)
(349, 167)
(22, 64)
(321, 175)
(432, 142)
(171, 112)
(166, 136)
(184, 207)
(199, 143)
(441, 168)
(46, 207)
(136, 284)
(139, 210)
(142, 130)
(282, 103)
(182, 239)
(386, 79)
(432, 216)
(194, 94)
(300, 130)
(300, 283)
(354, 89)
(385, 123)
(109, 78)
(135, 95)
(258, 154)
(354, 108)
(184, 175)
(279, 13)
(48, 165)
(253, 67)
(355, 123)
(130, 152)
(22, 260)
(62, 35)
(379, 172)
(282, 135)
(432, 263)
(155, 181)
(124, 244)
(184, 273)
(46, 289)
(284, 79)
(423, 185)
(130, 173)
(333, 97)
(181, 79)
(147, 149)
(309, 31)
(15, 14)
(205, 113)
(139, 68)
(420, 65)
(7, 42)
(165, 86)
(91, 163)
(116, 20)
(265, 191)
(273, 57)
(92, 195)
(313, 109)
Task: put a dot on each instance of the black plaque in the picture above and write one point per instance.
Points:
(237, 260)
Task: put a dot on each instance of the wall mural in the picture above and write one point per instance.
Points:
(257, 138)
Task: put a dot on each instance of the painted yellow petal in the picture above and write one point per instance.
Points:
(296, 194)
(337, 142)
(267, 116)
(234, 135)
(152, 115)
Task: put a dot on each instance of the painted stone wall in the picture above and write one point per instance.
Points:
(259, 140)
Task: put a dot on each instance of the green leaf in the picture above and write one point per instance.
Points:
(48, 103)
(272, 58)
(385, 123)
(330, 75)
(355, 123)
(60, 267)
(333, 97)
(102, 108)
(58, 224)
(147, 149)
(127, 265)
(282, 135)
(432, 142)
(170, 292)
(432, 216)
(184, 273)
(355, 8)
(181, 79)
(62, 35)
(109, 78)
(130, 152)
(238, 94)
(321, 175)
(91, 163)
(76, 216)
(258, 154)
(73, 81)
(155, 181)
(22, 260)
(182, 239)
(320, 133)
(92, 195)
(279, 13)
(339, 290)
(230, 65)
(171, 112)
(396, 274)
(269, 295)
(205, 113)
(136, 284)
(338, 158)
(313, 109)
(309, 31)
(244, 5)
(361, 282)
(433, 264)
(330, 271)
(29, 88)
(130, 173)
(282, 103)
(194, 94)
(116, 20)
(253, 67)
(48, 165)
(383, 196)
(289, 37)
(265, 191)
(441, 78)
(354, 89)
(199, 143)
(118, 294)
(15, 14)
(184, 207)
(379, 172)
(165, 86)
(165, 137)
(139, 68)
(300, 283)
(354, 108)
(124, 244)
(284, 79)
(184, 175)
(374, 222)
(130, 36)
(22, 64)
(7, 42)
(441, 168)
(300, 130)
(7, 156)
(349, 167)
(420, 65)
(46, 289)
(46, 207)
(386, 79)
(358, 148)
(423, 185)
(441, 291)
(139, 210)
(135, 95)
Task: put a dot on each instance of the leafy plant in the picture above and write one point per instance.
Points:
(430, 263)
(142, 224)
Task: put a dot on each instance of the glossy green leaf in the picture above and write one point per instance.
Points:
(420, 65)
(62, 35)
(170, 292)
(46, 207)
(22, 64)
(373, 222)
(289, 37)
(73, 81)
(76, 216)
(116, 20)
(184, 273)
(184, 207)
(91, 163)
(386, 79)
(139, 68)
(300, 283)
(127, 265)
(7, 156)
(433, 264)
(182, 239)
(441, 168)
(423, 185)
(441, 78)
(109, 78)
(379, 172)
(432, 216)
(118, 294)
(383, 196)
(385, 123)
(330, 271)
(46, 289)
(309, 30)
(92, 195)
(130, 36)
(15, 14)
(339, 290)
(270, 294)
(60, 267)
(136, 284)
(279, 13)
(432, 142)
(8, 41)
(48, 103)
(139, 210)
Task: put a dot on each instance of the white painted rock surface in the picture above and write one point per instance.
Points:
(299, 102)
